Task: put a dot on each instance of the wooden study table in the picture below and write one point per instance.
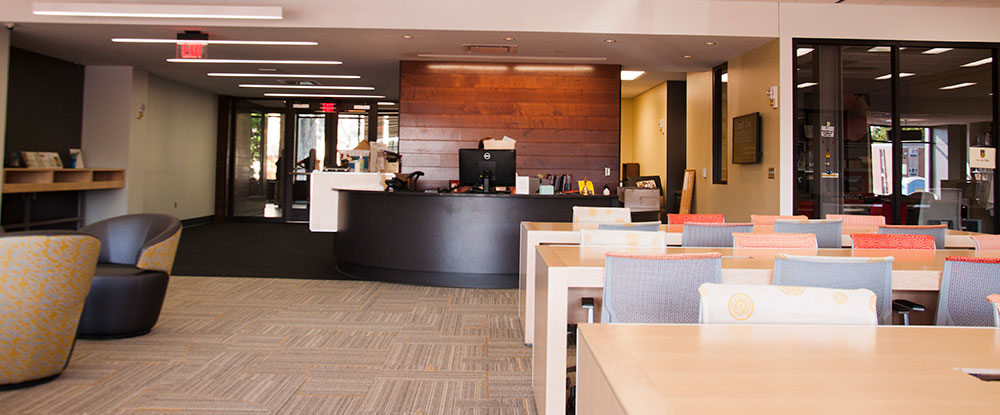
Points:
(561, 268)
(758, 369)
(534, 234)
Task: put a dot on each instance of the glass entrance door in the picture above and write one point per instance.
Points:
(307, 153)
(257, 144)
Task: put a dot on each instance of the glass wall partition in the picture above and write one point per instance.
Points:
(892, 128)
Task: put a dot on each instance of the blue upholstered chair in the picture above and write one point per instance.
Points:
(633, 226)
(712, 234)
(656, 288)
(847, 273)
(828, 232)
(965, 282)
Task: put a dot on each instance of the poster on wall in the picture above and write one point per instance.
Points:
(982, 157)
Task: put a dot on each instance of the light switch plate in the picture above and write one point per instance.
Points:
(607, 171)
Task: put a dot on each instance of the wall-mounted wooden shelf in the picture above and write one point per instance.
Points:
(29, 180)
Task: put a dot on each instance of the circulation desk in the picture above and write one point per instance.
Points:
(560, 268)
(541, 233)
(785, 369)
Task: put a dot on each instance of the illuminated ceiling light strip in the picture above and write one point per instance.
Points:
(515, 57)
(885, 49)
(277, 94)
(540, 68)
(936, 51)
(179, 11)
(279, 75)
(451, 67)
(631, 75)
(384, 103)
(806, 85)
(802, 52)
(258, 61)
(977, 63)
(956, 86)
(889, 76)
(217, 42)
(355, 88)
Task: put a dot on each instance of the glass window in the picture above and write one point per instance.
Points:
(720, 124)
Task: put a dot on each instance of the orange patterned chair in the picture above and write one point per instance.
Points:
(939, 232)
(987, 242)
(680, 219)
(855, 221)
(891, 241)
(44, 279)
(132, 274)
(768, 220)
(774, 240)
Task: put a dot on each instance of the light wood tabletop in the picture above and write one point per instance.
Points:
(715, 369)
(562, 269)
(534, 234)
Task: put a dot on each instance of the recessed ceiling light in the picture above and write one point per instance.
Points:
(217, 42)
(631, 75)
(277, 94)
(509, 38)
(889, 76)
(518, 58)
(280, 75)
(156, 11)
(385, 103)
(687, 56)
(881, 49)
(806, 85)
(977, 63)
(709, 43)
(936, 51)
(609, 41)
(802, 51)
(956, 86)
(355, 88)
(264, 61)
(407, 36)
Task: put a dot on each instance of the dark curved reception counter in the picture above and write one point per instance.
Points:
(450, 239)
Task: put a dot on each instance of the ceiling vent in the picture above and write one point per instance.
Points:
(298, 82)
(490, 49)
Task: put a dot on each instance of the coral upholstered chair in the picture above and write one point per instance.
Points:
(643, 288)
(987, 242)
(680, 219)
(774, 240)
(768, 220)
(44, 280)
(855, 221)
(937, 231)
(964, 283)
(886, 241)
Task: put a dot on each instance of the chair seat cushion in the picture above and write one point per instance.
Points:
(121, 270)
(124, 300)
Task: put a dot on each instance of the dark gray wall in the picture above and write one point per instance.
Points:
(676, 142)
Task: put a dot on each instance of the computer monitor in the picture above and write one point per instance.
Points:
(501, 165)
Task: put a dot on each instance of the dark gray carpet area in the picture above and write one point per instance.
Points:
(255, 249)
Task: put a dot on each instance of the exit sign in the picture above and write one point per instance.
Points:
(328, 107)
(191, 50)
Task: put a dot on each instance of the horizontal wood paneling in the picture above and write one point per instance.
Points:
(566, 118)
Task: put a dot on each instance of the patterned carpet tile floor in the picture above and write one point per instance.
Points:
(281, 346)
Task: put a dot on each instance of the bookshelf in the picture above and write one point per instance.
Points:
(32, 180)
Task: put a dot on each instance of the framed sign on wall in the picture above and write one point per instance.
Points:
(746, 139)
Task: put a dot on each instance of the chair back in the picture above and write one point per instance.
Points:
(715, 235)
(828, 232)
(768, 220)
(887, 241)
(773, 304)
(987, 242)
(656, 288)
(964, 283)
(774, 240)
(588, 214)
(633, 226)
(937, 231)
(682, 218)
(147, 240)
(854, 221)
(599, 237)
(46, 278)
(994, 299)
(843, 273)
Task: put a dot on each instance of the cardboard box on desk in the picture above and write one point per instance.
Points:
(506, 143)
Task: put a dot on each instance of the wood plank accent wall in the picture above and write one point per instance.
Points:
(565, 118)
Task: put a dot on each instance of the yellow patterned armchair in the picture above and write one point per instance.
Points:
(44, 279)
(137, 254)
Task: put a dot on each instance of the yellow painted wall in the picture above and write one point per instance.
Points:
(649, 143)
(626, 130)
(748, 190)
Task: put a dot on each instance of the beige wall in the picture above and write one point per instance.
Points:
(649, 142)
(627, 133)
(749, 190)
(179, 153)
